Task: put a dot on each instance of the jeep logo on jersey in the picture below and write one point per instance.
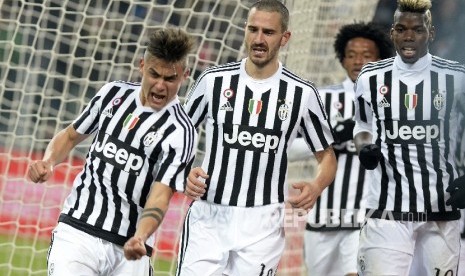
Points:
(250, 138)
(411, 132)
(119, 154)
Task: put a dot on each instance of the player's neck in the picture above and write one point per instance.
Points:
(261, 72)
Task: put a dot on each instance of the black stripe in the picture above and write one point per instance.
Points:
(388, 114)
(187, 126)
(171, 154)
(363, 111)
(240, 158)
(254, 170)
(277, 125)
(217, 139)
(133, 214)
(345, 184)
(194, 108)
(184, 241)
(450, 89)
(360, 183)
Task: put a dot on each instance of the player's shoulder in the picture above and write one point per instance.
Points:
(114, 87)
(375, 67)
(447, 65)
(180, 117)
(221, 69)
(332, 89)
(298, 80)
(119, 85)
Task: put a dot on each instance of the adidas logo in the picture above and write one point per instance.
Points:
(384, 103)
(227, 107)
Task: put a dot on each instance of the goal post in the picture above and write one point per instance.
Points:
(56, 54)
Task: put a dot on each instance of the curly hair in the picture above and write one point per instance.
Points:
(369, 31)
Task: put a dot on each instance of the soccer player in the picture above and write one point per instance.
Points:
(331, 242)
(406, 113)
(141, 153)
(252, 110)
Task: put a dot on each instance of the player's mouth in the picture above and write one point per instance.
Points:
(408, 51)
(259, 51)
(157, 98)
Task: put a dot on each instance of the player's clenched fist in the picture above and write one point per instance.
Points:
(40, 171)
(195, 183)
(134, 249)
(309, 193)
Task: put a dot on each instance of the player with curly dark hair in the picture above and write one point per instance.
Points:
(333, 225)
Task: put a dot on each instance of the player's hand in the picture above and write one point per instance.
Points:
(195, 183)
(134, 248)
(457, 193)
(369, 156)
(40, 171)
(343, 131)
(309, 193)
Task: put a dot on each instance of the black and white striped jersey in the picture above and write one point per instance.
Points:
(133, 147)
(341, 205)
(249, 125)
(412, 112)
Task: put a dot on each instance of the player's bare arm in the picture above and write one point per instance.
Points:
(310, 191)
(151, 218)
(195, 186)
(57, 150)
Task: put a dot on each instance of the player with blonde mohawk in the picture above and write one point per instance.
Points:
(406, 131)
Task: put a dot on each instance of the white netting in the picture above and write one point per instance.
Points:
(55, 54)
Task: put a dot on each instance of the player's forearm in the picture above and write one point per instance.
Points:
(149, 222)
(327, 165)
(61, 145)
(154, 211)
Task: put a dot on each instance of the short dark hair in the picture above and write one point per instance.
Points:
(170, 44)
(371, 31)
(274, 6)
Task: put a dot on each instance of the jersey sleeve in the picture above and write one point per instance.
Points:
(87, 121)
(315, 127)
(196, 102)
(178, 154)
(363, 112)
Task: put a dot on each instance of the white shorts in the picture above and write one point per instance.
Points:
(227, 240)
(331, 253)
(74, 252)
(389, 247)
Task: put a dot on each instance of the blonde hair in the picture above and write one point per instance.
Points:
(416, 6)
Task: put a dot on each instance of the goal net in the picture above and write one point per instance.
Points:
(56, 54)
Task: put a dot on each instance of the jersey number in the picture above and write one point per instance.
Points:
(448, 272)
(268, 273)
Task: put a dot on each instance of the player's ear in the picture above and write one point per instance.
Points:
(285, 38)
(432, 33)
(141, 65)
(187, 73)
